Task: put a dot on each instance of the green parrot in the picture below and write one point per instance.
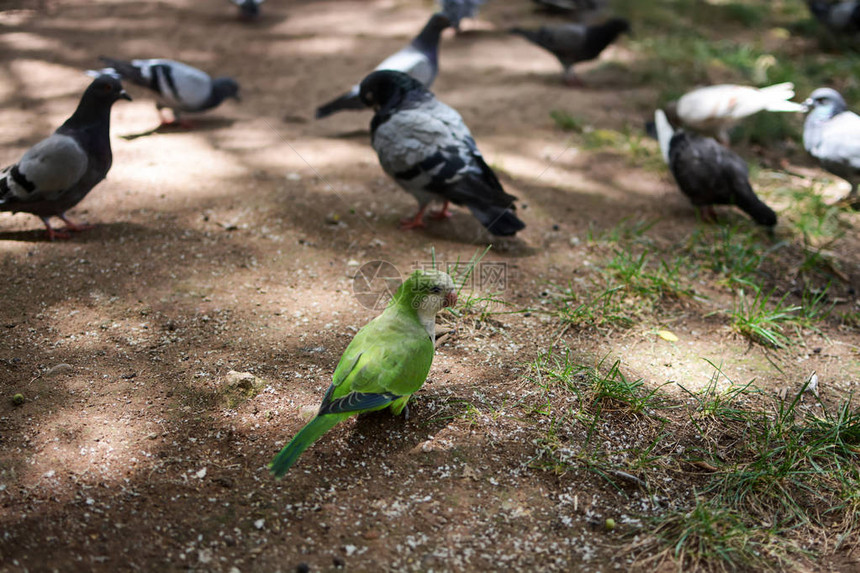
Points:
(386, 362)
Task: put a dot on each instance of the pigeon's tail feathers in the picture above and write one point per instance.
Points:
(786, 106)
(749, 203)
(347, 101)
(126, 70)
(302, 441)
(777, 96)
(664, 133)
(498, 220)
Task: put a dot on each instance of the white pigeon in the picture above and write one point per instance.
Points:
(831, 134)
(714, 110)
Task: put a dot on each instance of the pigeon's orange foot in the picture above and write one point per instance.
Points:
(412, 223)
(415, 222)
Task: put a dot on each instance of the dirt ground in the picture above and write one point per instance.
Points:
(166, 355)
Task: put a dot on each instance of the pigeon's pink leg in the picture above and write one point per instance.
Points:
(71, 226)
(53, 233)
(444, 213)
(415, 222)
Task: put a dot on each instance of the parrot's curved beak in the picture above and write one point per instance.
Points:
(451, 299)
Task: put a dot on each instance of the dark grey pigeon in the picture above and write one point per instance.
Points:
(457, 10)
(420, 59)
(56, 173)
(572, 43)
(570, 7)
(831, 134)
(180, 87)
(427, 149)
(709, 174)
(843, 17)
(248, 9)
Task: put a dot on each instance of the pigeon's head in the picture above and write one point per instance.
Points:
(427, 291)
(385, 88)
(224, 88)
(825, 102)
(106, 88)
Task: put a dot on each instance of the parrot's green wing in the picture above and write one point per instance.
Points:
(387, 360)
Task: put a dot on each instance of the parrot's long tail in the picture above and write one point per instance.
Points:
(302, 441)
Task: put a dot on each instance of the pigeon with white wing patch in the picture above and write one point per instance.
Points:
(57, 173)
(180, 87)
(420, 59)
(427, 149)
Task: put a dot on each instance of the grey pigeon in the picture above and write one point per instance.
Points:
(843, 17)
(180, 87)
(572, 43)
(427, 149)
(831, 134)
(457, 10)
(248, 9)
(420, 59)
(709, 174)
(56, 173)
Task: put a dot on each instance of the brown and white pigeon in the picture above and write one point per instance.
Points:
(427, 149)
(573, 43)
(56, 174)
(708, 173)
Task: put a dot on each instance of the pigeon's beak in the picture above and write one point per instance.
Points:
(451, 299)
(124, 95)
(807, 104)
(237, 97)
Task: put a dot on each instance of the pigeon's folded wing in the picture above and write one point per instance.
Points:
(181, 85)
(410, 61)
(840, 140)
(49, 168)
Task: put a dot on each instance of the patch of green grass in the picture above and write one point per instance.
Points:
(732, 251)
(714, 403)
(795, 468)
(709, 537)
(659, 280)
(626, 231)
(761, 318)
(605, 308)
(567, 122)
